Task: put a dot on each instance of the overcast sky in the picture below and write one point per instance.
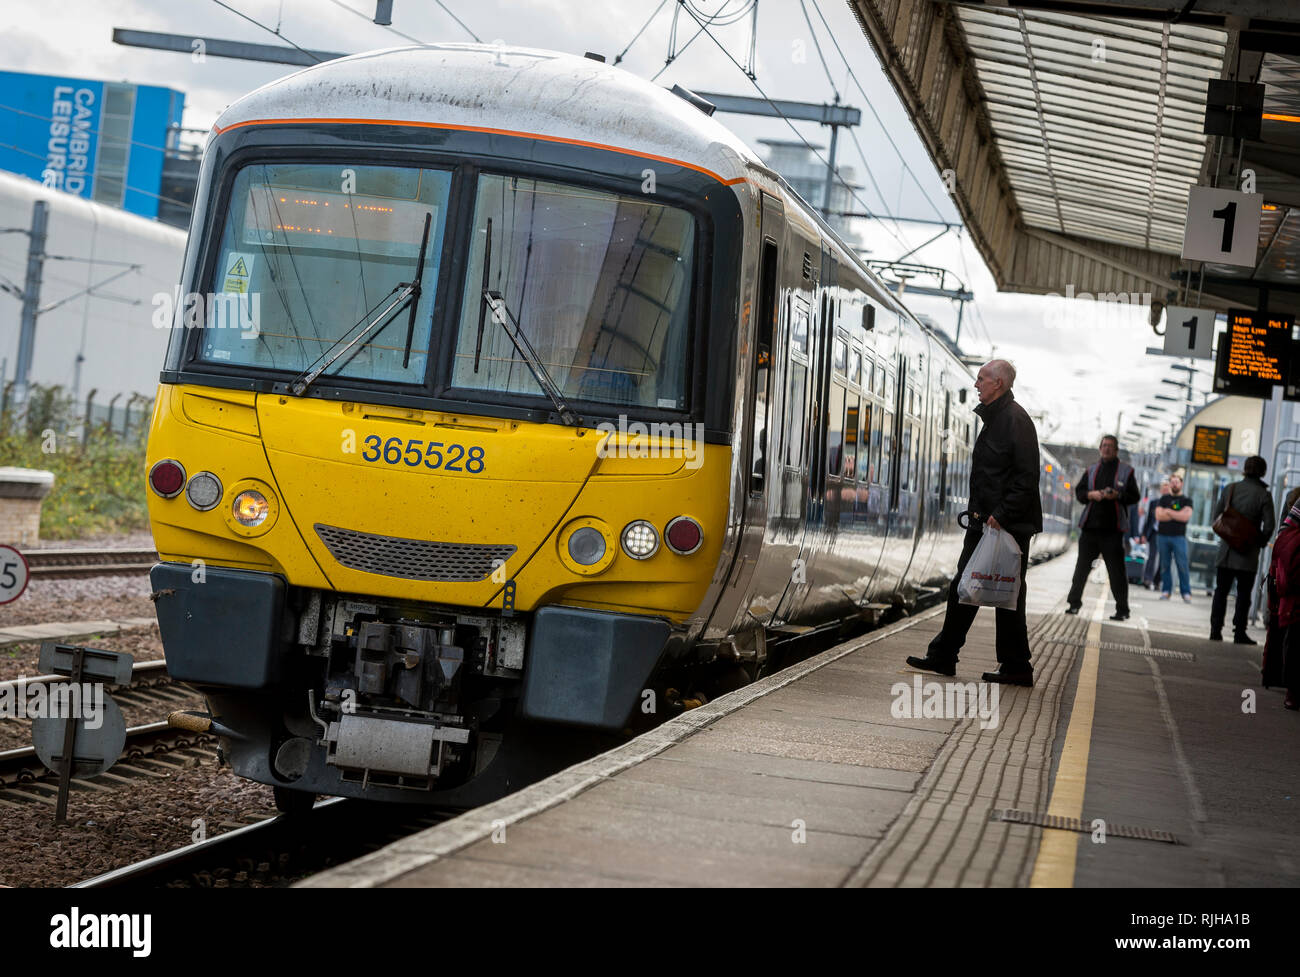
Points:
(1080, 363)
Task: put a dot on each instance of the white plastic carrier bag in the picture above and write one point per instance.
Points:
(992, 575)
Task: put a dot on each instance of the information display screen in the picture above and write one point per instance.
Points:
(1210, 445)
(1254, 353)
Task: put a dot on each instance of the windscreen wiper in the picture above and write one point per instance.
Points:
(501, 313)
(405, 291)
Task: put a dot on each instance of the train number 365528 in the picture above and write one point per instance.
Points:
(430, 454)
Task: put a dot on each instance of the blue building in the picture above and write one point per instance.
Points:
(104, 141)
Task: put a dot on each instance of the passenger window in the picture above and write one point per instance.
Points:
(870, 428)
(851, 414)
(835, 430)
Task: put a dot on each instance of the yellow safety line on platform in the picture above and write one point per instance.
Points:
(1054, 867)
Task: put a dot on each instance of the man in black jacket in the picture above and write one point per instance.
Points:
(1107, 490)
(1004, 495)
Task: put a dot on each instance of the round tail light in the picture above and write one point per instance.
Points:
(683, 535)
(203, 491)
(167, 478)
(640, 540)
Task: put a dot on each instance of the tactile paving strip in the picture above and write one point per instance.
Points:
(1185, 656)
(1083, 827)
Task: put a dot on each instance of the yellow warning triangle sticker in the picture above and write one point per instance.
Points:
(240, 269)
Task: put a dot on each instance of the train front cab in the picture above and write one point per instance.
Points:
(375, 571)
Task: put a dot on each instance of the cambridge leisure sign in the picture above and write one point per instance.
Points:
(1254, 354)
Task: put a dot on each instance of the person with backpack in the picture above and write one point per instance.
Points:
(1243, 519)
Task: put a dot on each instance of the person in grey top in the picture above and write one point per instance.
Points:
(1252, 499)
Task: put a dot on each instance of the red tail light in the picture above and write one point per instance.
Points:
(683, 535)
(167, 478)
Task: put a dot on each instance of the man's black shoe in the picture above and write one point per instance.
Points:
(1119, 616)
(930, 664)
(1216, 635)
(1072, 609)
(1242, 638)
(1011, 676)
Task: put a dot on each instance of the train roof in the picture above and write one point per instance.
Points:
(503, 88)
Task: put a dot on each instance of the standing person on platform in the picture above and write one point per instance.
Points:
(1151, 571)
(1283, 619)
(1252, 499)
(1003, 495)
(1173, 513)
(1107, 489)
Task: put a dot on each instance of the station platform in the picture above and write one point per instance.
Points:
(1145, 755)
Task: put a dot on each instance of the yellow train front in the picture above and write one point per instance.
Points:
(442, 439)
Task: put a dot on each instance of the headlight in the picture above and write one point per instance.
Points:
(587, 546)
(640, 540)
(203, 491)
(250, 508)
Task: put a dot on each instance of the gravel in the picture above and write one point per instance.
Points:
(107, 830)
(80, 599)
(143, 644)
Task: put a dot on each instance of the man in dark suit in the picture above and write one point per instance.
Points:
(1107, 490)
(1003, 495)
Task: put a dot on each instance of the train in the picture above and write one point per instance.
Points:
(511, 392)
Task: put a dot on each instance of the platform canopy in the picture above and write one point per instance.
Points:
(1073, 131)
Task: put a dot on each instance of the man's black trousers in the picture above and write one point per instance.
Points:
(1225, 578)
(1109, 545)
(1012, 627)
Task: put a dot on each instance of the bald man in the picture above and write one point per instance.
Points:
(1003, 495)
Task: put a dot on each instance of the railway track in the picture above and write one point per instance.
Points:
(278, 851)
(65, 564)
(152, 749)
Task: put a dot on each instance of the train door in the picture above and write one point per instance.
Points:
(822, 370)
(759, 469)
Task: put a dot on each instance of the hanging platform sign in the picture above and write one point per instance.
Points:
(1189, 332)
(1222, 226)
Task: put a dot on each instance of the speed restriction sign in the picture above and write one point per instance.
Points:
(1189, 332)
(13, 574)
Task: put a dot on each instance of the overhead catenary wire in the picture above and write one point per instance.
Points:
(811, 148)
(867, 98)
(635, 37)
(269, 30)
(393, 30)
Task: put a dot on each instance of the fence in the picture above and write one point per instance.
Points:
(123, 417)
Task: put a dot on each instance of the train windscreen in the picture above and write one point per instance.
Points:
(599, 284)
(311, 254)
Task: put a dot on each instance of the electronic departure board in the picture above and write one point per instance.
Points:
(1210, 445)
(1254, 353)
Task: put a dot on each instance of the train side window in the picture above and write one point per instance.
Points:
(852, 412)
(869, 425)
(764, 325)
(855, 367)
(885, 446)
(841, 356)
(799, 328)
(835, 430)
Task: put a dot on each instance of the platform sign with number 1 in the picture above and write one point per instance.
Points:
(1222, 226)
(13, 574)
(1189, 332)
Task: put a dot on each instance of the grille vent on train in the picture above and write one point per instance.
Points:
(807, 266)
(413, 559)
